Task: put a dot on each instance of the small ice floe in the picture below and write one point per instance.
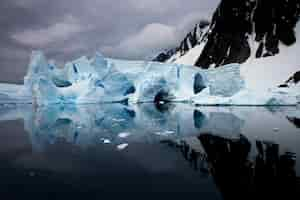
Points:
(124, 135)
(105, 141)
(122, 146)
(165, 133)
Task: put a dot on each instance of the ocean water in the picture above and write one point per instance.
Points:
(173, 151)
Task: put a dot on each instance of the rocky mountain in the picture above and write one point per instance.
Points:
(295, 79)
(239, 30)
(164, 56)
(193, 38)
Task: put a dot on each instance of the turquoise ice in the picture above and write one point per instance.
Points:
(105, 80)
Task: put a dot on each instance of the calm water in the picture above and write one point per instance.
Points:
(173, 150)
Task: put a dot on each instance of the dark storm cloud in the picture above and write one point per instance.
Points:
(65, 29)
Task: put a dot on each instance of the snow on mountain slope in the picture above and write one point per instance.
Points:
(189, 58)
(193, 39)
(240, 30)
(263, 73)
(262, 36)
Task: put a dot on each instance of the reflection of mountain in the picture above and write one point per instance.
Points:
(295, 121)
(223, 123)
(269, 175)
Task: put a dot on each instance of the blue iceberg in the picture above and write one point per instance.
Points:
(106, 80)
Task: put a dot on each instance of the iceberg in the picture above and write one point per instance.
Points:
(107, 80)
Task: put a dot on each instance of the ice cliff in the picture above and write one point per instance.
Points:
(105, 80)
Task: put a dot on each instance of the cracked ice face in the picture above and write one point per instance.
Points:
(104, 80)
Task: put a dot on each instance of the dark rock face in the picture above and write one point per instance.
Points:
(234, 22)
(295, 79)
(192, 39)
(164, 56)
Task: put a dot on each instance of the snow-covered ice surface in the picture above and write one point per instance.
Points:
(105, 80)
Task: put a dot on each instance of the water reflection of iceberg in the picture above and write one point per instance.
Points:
(117, 123)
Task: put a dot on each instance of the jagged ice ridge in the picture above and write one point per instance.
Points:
(106, 80)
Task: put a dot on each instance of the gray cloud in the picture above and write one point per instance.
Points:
(66, 29)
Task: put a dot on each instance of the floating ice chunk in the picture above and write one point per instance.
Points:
(105, 141)
(124, 135)
(122, 146)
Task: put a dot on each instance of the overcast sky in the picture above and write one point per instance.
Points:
(65, 29)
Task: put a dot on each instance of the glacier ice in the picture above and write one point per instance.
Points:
(106, 80)
(225, 81)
